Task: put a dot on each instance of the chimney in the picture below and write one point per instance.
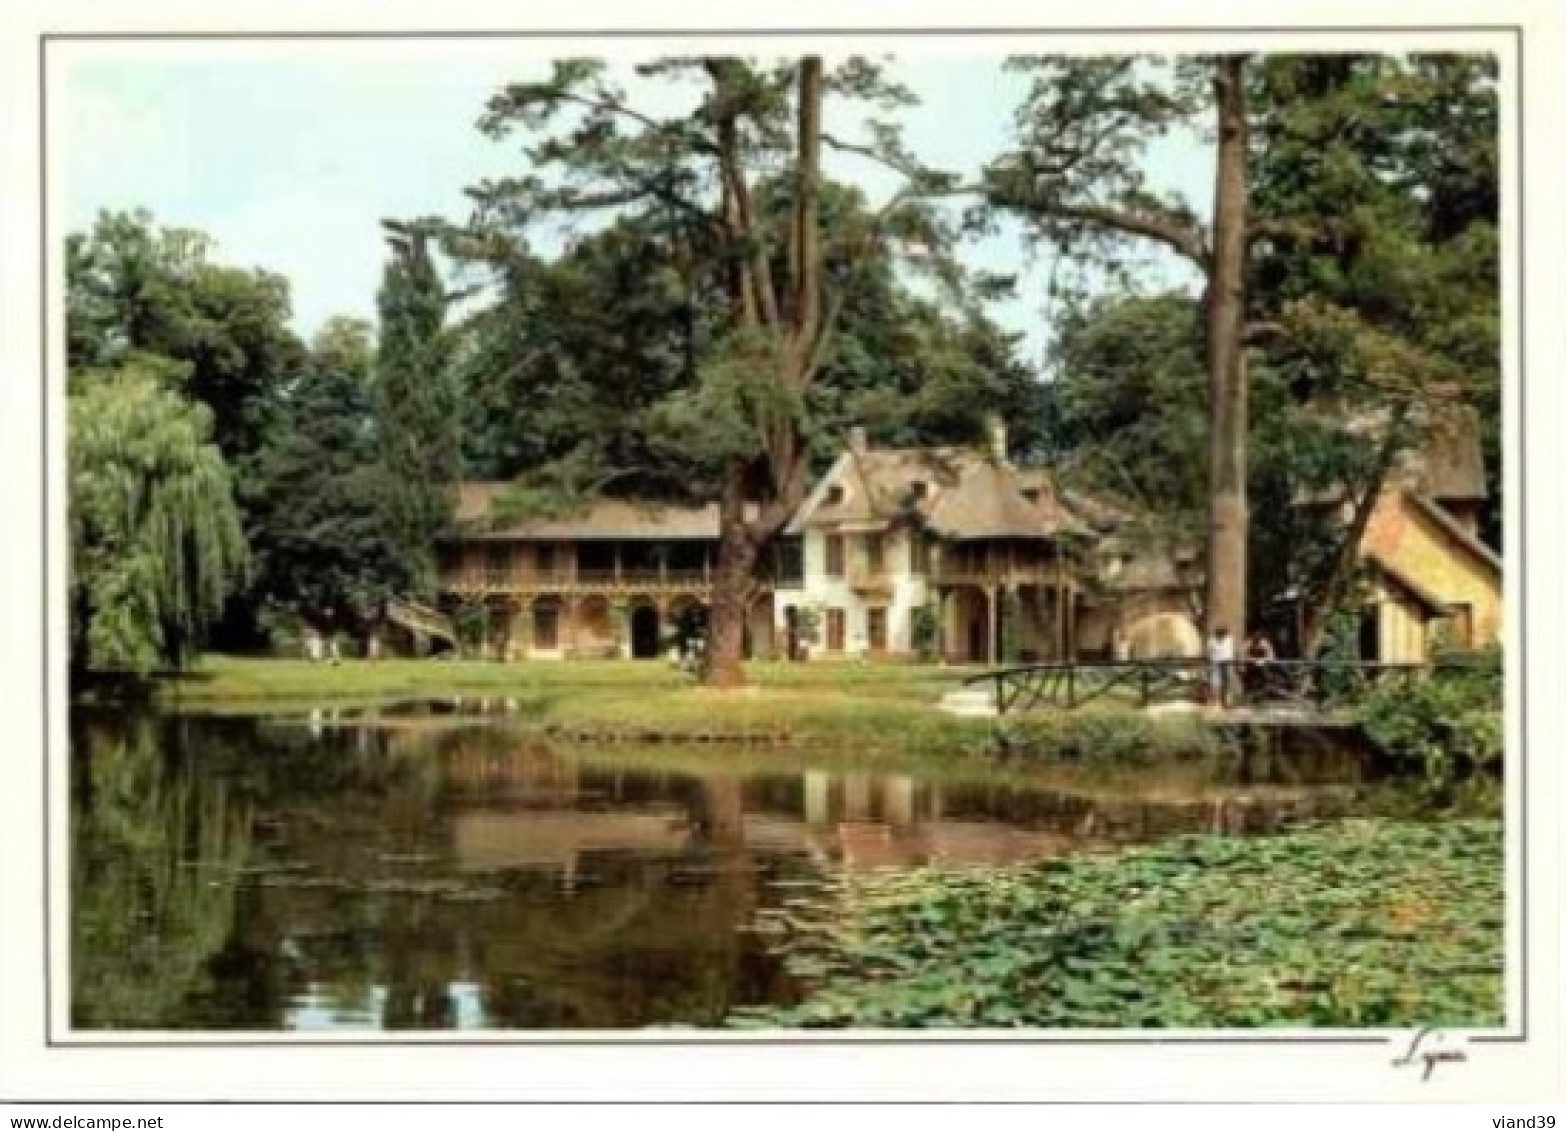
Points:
(995, 432)
(858, 442)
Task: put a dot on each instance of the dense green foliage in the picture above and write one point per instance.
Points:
(417, 415)
(1445, 725)
(1357, 924)
(293, 438)
(615, 353)
(156, 543)
(327, 550)
(135, 290)
(1106, 736)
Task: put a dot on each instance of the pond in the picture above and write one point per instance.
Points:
(425, 870)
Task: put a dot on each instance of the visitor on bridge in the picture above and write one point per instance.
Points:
(1259, 654)
(1220, 661)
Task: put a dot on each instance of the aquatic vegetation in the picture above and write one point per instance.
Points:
(1362, 923)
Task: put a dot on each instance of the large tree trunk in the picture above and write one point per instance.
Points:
(731, 586)
(1227, 517)
(1345, 560)
(798, 324)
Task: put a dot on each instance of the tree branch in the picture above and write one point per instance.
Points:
(1183, 239)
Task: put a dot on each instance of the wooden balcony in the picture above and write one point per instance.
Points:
(870, 579)
(584, 582)
(999, 573)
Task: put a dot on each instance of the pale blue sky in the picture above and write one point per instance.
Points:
(290, 155)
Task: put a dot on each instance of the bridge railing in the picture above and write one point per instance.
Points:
(1315, 684)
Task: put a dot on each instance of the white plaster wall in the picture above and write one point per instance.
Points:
(822, 592)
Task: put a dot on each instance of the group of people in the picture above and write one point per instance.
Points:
(1223, 666)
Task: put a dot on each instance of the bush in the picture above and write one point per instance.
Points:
(924, 629)
(1446, 724)
(1112, 738)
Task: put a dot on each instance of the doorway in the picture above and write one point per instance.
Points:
(644, 632)
(1370, 635)
(875, 630)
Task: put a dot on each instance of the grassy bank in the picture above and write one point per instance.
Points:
(864, 707)
(1356, 924)
(234, 683)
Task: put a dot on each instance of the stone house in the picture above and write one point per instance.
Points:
(957, 539)
(611, 578)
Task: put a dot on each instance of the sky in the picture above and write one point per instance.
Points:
(290, 155)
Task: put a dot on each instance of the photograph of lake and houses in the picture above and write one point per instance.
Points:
(782, 542)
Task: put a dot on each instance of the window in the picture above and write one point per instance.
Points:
(875, 555)
(875, 629)
(835, 494)
(918, 554)
(919, 491)
(834, 625)
(789, 563)
(834, 555)
(544, 555)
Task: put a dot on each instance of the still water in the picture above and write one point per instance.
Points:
(408, 871)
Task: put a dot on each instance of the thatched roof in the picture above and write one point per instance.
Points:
(1450, 465)
(958, 493)
(1447, 467)
(604, 519)
(1145, 566)
(988, 501)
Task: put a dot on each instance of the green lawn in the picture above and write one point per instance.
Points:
(232, 680)
(865, 706)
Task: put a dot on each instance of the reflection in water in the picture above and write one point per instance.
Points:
(404, 873)
(154, 853)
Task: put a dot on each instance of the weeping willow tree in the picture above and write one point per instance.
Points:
(156, 540)
(154, 853)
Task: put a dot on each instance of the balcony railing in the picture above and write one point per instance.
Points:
(998, 573)
(523, 580)
(870, 578)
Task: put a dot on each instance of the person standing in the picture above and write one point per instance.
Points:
(1258, 656)
(1220, 662)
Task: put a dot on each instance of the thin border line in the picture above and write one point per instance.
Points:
(778, 32)
(1516, 31)
(43, 612)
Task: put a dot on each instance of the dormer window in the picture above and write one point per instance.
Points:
(1031, 494)
(919, 491)
(835, 494)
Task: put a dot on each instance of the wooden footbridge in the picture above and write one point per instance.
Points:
(1278, 688)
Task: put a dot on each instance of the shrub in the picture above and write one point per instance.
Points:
(1446, 724)
(924, 628)
(1112, 738)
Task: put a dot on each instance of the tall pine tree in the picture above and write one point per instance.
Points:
(415, 400)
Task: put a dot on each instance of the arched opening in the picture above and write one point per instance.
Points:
(595, 635)
(644, 632)
(546, 624)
